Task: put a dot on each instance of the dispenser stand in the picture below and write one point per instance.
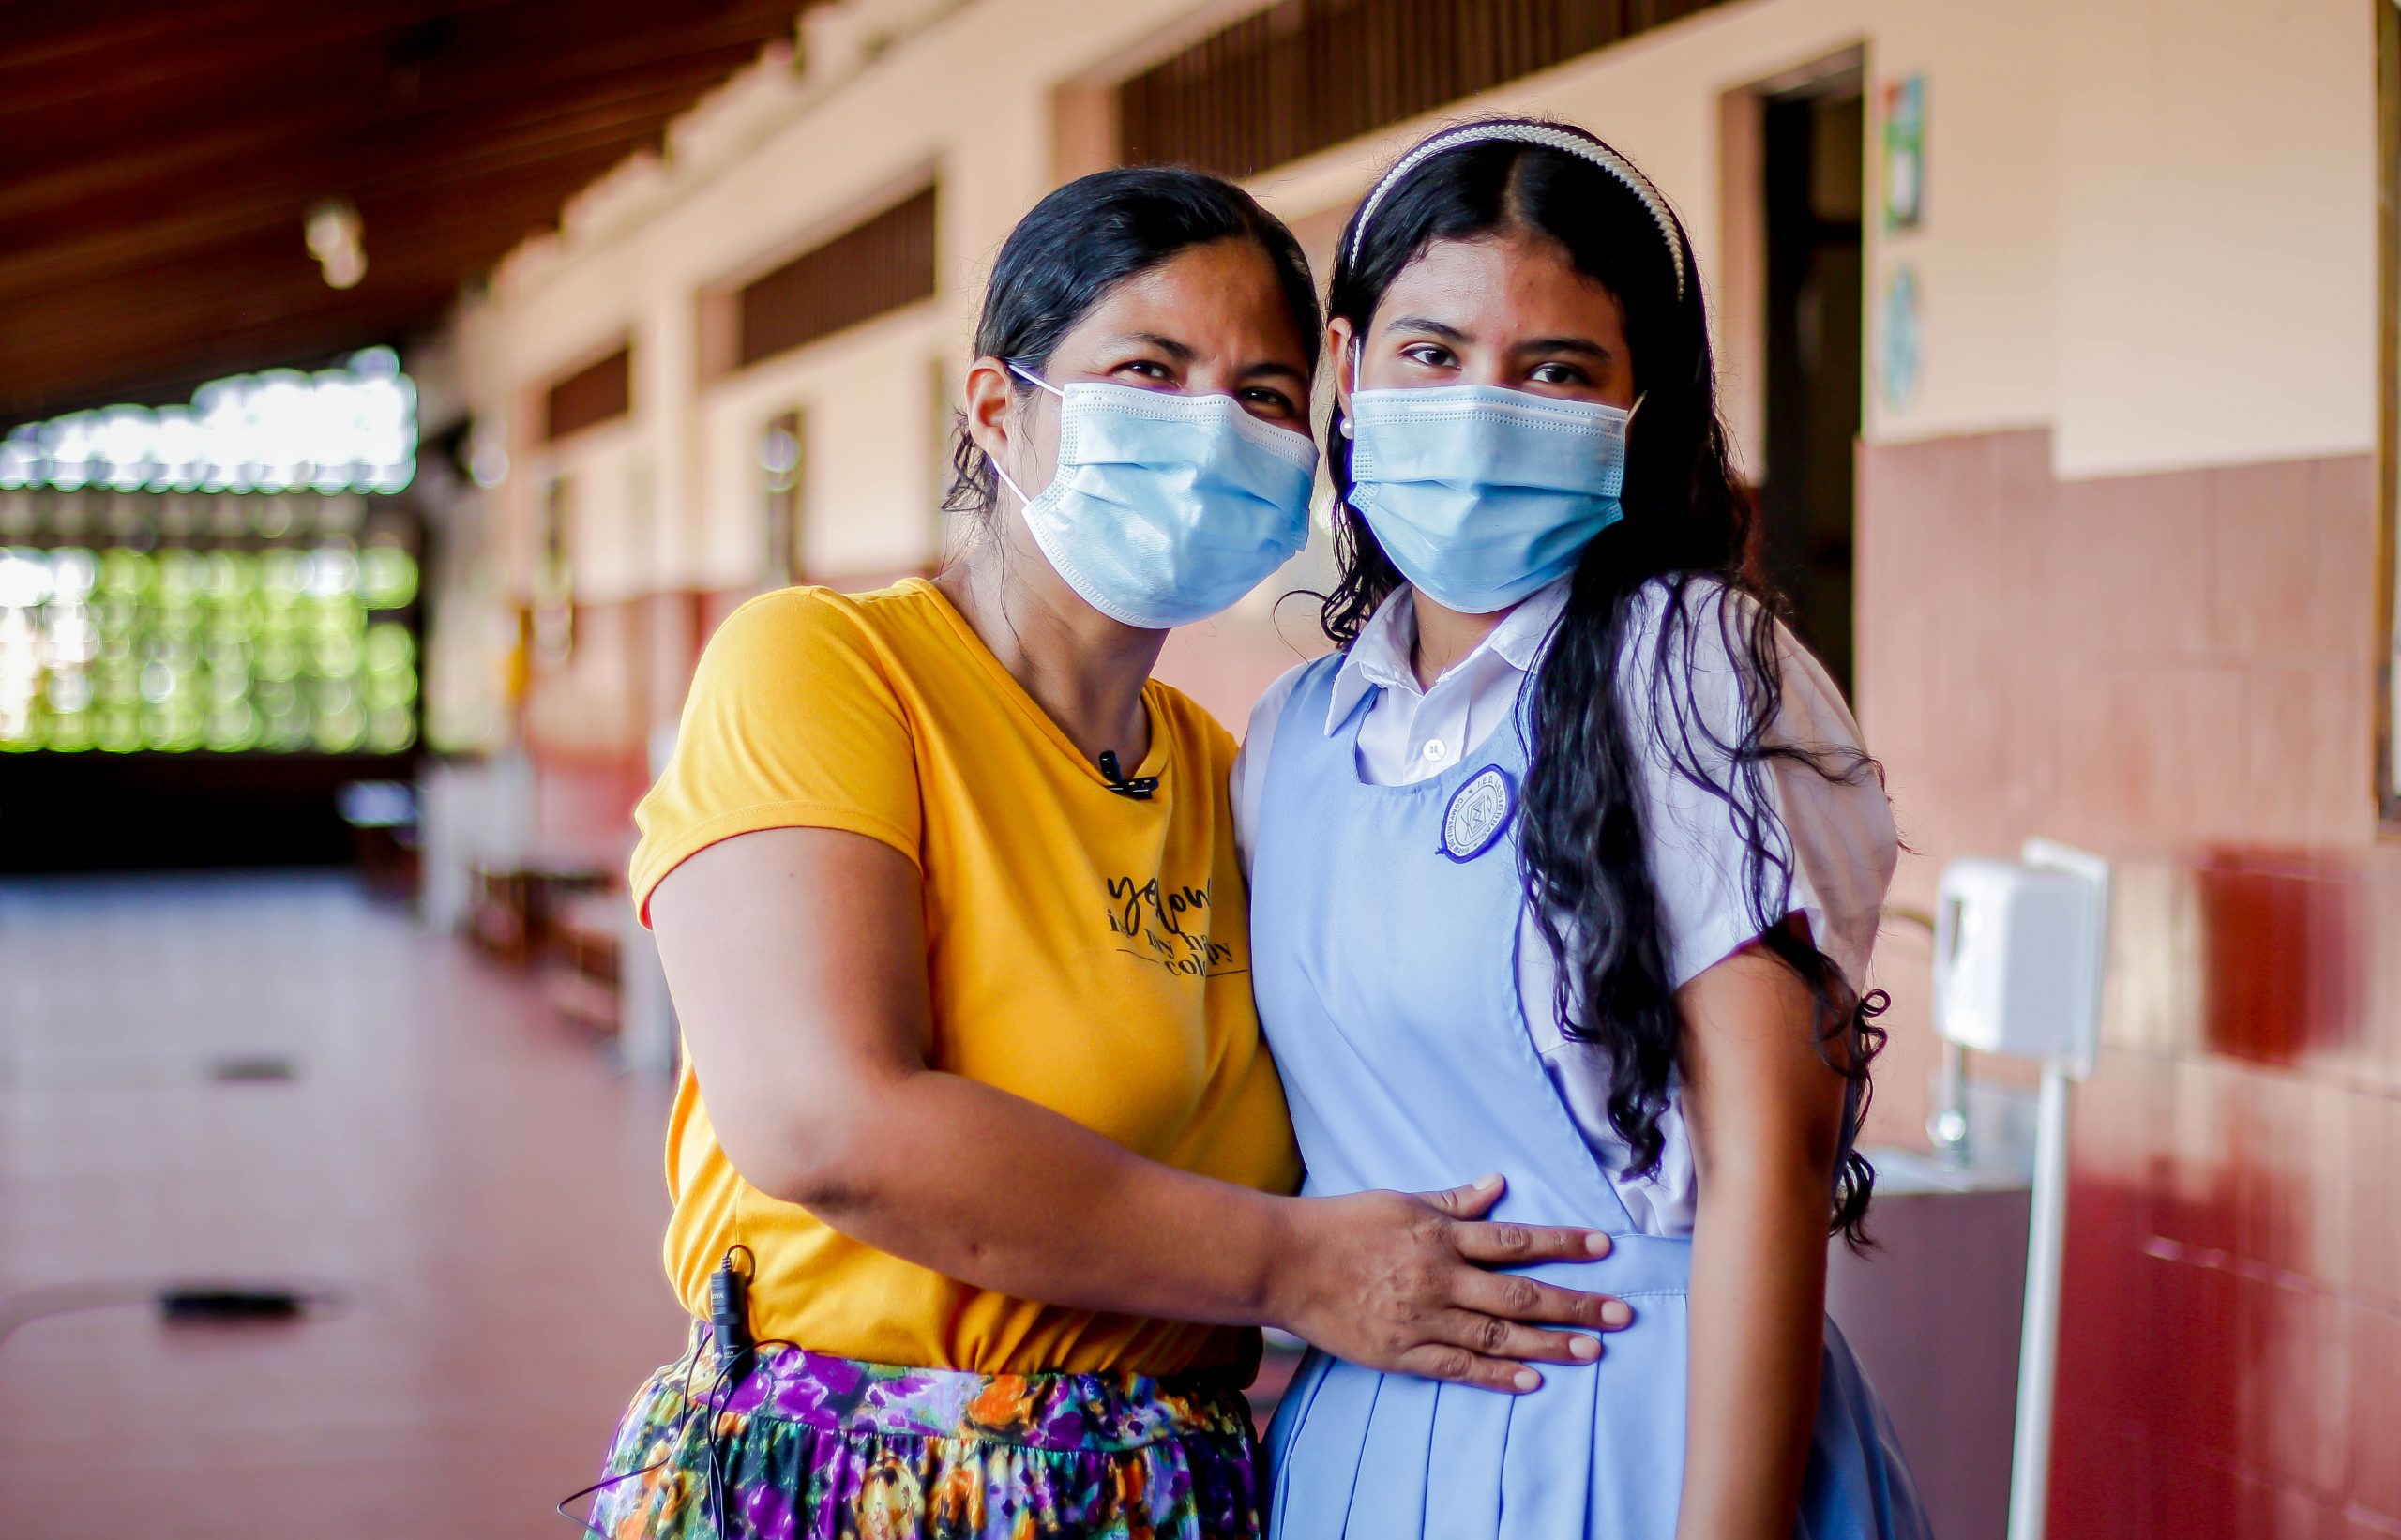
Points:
(2038, 1351)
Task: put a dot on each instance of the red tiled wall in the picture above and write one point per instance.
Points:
(2178, 670)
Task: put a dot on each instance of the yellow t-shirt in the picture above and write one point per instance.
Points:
(1084, 950)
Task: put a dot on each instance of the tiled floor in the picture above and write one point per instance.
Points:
(477, 1185)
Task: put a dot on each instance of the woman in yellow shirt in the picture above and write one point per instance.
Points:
(977, 1161)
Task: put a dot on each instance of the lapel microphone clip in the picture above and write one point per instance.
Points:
(730, 1310)
(1137, 787)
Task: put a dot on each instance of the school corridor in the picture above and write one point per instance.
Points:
(394, 400)
(275, 1081)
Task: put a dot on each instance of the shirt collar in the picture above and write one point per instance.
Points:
(1378, 656)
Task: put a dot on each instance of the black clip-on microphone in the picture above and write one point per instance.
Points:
(730, 1317)
(1137, 787)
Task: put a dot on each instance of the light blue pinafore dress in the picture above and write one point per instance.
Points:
(1387, 977)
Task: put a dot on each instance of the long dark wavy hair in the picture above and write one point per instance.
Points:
(1689, 529)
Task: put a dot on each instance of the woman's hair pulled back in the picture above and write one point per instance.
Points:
(1084, 239)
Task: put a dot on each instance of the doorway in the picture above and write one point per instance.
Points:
(1812, 159)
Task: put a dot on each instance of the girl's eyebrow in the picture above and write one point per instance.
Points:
(1428, 328)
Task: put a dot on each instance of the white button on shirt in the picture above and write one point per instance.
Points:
(1843, 842)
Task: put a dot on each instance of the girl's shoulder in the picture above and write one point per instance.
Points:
(1269, 708)
(1275, 702)
(1715, 640)
(1711, 618)
(1692, 641)
(1248, 781)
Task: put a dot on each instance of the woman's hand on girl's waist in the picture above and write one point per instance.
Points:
(1407, 1284)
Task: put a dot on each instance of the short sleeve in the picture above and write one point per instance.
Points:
(792, 722)
(1827, 828)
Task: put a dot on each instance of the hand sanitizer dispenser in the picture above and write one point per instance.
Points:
(2017, 949)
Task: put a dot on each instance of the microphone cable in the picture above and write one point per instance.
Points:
(737, 1354)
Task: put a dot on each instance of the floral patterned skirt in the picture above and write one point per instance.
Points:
(809, 1445)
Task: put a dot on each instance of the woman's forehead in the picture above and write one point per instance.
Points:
(1224, 293)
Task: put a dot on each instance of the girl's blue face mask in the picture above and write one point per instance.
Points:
(1480, 496)
(1167, 508)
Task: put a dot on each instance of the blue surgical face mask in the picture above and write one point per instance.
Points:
(1166, 508)
(1481, 495)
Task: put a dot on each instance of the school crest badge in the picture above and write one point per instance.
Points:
(1477, 813)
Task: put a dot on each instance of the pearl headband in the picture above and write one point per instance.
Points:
(1549, 137)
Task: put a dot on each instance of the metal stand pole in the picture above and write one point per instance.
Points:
(2030, 1476)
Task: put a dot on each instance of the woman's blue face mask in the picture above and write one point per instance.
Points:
(1481, 495)
(1166, 508)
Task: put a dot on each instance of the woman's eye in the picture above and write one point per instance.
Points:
(1427, 354)
(1266, 403)
(1558, 374)
(1148, 369)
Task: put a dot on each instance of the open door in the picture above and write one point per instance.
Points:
(1811, 190)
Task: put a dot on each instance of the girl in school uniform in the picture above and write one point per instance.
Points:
(1566, 865)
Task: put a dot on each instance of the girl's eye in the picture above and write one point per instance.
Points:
(1558, 374)
(1430, 354)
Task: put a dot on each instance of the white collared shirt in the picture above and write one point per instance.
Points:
(1843, 840)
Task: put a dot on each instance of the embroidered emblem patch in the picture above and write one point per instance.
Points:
(1478, 812)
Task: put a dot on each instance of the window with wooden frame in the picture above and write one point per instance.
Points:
(875, 262)
(1306, 75)
(600, 391)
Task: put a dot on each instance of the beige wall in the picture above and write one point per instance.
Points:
(777, 160)
(2216, 255)
(2149, 230)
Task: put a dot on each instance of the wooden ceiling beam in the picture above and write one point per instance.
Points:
(189, 231)
(330, 115)
(94, 32)
(490, 46)
(267, 84)
(261, 45)
(136, 186)
(163, 152)
(231, 307)
(127, 363)
(170, 309)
